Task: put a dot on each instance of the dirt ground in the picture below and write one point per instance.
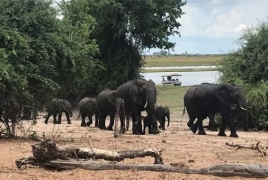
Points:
(180, 146)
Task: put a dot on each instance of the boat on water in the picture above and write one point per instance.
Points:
(169, 79)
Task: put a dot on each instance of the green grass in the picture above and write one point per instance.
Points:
(178, 70)
(171, 96)
(161, 61)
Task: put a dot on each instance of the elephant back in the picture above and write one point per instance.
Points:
(89, 103)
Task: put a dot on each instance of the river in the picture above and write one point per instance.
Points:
(187, 78)
(181, 67)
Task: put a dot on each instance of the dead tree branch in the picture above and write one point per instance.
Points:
(48, 155)
(256, 146)
(48, 150)
(226, 170)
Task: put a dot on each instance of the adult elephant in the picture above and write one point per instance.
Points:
(87, 108)
(57, 106)
(139, 95)
(107, 105)
(188, 97)
(161, 113)
(214, 98)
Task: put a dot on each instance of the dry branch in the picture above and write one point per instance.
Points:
(48, 150)
(47, 154)
(249, 146)
(226, 170)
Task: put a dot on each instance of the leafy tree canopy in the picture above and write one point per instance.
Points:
(248, 67)
(40, 56)
(123, 29)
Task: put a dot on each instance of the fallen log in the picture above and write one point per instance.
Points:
(48, 150)
(256, 146)
(225, 170)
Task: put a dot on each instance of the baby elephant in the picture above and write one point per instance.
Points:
(87, 108)
(57, 106)
(161, 112)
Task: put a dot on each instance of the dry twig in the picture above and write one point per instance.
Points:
(249, 146)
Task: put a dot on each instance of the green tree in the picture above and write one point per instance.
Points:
(26, 29)
(248, 67)
(124, 29)
(41, 56)
(76, 66)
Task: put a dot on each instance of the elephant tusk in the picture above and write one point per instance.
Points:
(157, 104)
(145, 104)
(243, 108)
(232, 107)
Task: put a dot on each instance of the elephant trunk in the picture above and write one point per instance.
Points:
(150, 108)
(168, 120)
(243, 106)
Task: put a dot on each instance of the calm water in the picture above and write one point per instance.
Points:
(187, 78)
(181, 67)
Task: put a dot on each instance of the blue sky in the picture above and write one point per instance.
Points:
(213, 26)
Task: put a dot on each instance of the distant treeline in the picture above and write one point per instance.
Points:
(186, 54)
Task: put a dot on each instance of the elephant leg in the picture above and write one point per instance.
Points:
(83, 122)
(89, 120)
(212, 125)
(137, 127)
(59, 119)
(127, 122)
(163, 123)
(144, 125)
(102, 121)
(96, 119)
(55, 118)
(201, 130)
(47, 117)
(222, 127)
(68, 117)
(191, 120)
(110, 127)
(232, 128)
(122, 123)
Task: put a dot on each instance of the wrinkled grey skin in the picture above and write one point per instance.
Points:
(161, 113)
(214, 98)
(188, 97)
(106, 101)
(139, 95)
(87, 108)
(57, 106)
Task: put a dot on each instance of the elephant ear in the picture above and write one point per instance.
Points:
(224, 97)
(112, 98)
(135, 91)
(140, 83)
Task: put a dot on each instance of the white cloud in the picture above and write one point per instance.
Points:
(221, 18)
(240, 28)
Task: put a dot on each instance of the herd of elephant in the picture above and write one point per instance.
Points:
(133, 97)
(136, 96)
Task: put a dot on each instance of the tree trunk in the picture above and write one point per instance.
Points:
(48, 150)
(226, 170)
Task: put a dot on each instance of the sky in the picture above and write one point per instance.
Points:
(213, 26)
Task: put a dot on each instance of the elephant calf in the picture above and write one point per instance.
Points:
(107, 105)
(57, 106)
(161, 112)
(88, 107)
